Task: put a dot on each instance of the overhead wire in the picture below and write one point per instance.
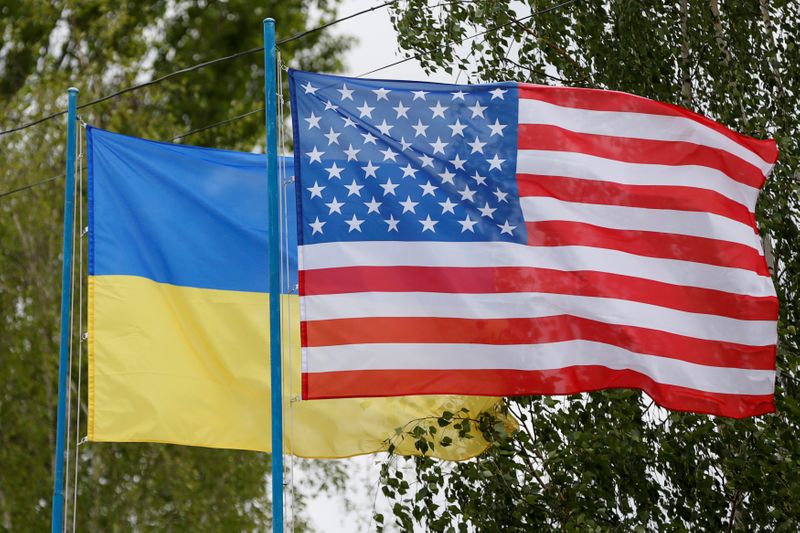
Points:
(216, 124)
(484, 32)
(29, 186)
(192, 68)
(298, 36)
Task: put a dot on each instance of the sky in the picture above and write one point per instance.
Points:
(377, 45)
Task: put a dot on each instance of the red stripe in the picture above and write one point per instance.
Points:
(647, 196)
(601, 100)
(631, 150)
(647, 243)
(503, 331)
(490, 382)
(488, 280)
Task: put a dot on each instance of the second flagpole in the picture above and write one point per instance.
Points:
(273, 190)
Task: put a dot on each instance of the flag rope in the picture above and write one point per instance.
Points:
(82, 336)
(286, 347)
(72, 267)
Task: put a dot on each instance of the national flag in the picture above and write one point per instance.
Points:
(511, 239)
(178, 313)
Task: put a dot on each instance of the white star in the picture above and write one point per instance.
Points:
(447, 206)
(480, 180)
(495, 162)
(497, 128)
(333, 137)
(381, 94)
(315, 155)
(458, 162)
(438, 146)
(506, 228)
(347, 94)
(477, 145)
(354, 189)
(369, 170)
(408, 205)
(419, 94)
(438, 110)
(429, 188)
(313, 121)
(467, 193)
(351, 153)
(501, 196)
(329, 105)
(316, 190)
(420, 128)
(427, 161)
(354, 223)
(459, 95)
(458, 128)
(401, 110)
(372, 207)
(428, 224)
(408, 171)
(334, 172)
(498, 93)
(384, 127)
(467, 223)
(389, 154)
(366, 111)
(349, 122)
(316, 226)
(403, 144)
(335, 206)
(487, 211)
(309, 88)
(447, 177)
(392, 223)
(389, 187)
(477, 110)
(369, 138)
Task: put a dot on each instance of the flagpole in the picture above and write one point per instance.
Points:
(57, 518)
(273, 188)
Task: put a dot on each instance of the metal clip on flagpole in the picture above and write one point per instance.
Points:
(57, 518)
(273, 190)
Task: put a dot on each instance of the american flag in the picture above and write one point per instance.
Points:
(508, 239)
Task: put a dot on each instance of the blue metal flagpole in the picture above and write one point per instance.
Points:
(57, 517)
(273, 189)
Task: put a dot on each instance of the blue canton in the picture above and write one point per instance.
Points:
(381, 160)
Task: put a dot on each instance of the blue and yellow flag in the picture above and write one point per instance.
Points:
(178, 313)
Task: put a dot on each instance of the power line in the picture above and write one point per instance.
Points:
(259, 110)
(192, 68)
(332, 23)
(488, 30)
(215, 124)
(29, 186)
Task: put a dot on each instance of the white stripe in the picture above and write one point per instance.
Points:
(550, 356)
(590, 167)
(564, 258)
(537, 305)
(634, 125)
(695, 224)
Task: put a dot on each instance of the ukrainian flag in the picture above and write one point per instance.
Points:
(178, 313)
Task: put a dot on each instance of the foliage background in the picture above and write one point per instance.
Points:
(602, 461)
(101, 46)
(612, 460)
